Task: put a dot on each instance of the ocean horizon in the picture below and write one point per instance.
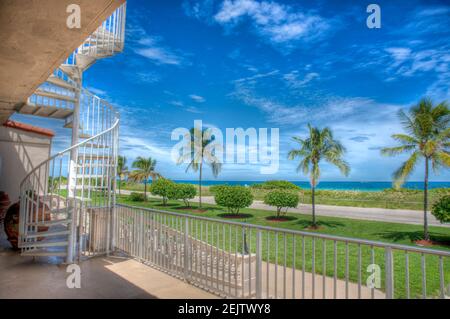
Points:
(330, 185)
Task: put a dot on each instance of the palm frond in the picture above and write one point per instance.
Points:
(405, 169)
(405, 139)
(443, 157)
(320, 144)
(392, 151)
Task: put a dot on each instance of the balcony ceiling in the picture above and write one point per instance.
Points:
(34, 40)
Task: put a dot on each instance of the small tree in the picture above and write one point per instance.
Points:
(145, 170)
(186, 192)
(441, 209)
(200, 143)
(233, 198)
(122, 169)
(427, 138)
(165, 188)
(276, 184)
(281, 199)
(320, 145)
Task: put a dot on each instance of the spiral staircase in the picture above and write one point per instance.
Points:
(66, 202)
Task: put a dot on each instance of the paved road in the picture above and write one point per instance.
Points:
(404, 216)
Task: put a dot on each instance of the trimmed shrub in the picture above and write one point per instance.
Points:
(165, 188)
(281, 199)
(185, 192)
(441, 209)
(272, 185)
(137, 197)
(233, 197)
(214, 188)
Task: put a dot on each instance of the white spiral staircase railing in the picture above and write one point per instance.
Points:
(66, 202)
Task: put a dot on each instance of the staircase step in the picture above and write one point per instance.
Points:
(70, 70)
(85, 61)
(87, 187)
(69, 125)
(84, 135)
(48, 111)
(87, 176)
(60, 82)
(52, 222)
(93, 157)
(93, 145)
(87, 166)
(44, 244)
(47, 234)
(53, 95)
(43, 253)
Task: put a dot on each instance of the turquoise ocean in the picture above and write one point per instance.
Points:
(356, 186)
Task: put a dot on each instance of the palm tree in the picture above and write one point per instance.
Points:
(199, 144)
(319, 145)
(145, 170)
(122, 169)
(427, 137)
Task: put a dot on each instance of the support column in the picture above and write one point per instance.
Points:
(72, 178)
(75, 131)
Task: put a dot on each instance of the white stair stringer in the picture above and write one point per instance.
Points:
(66, 201)
(106, 41)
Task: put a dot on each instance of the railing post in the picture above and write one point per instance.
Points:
(141, 237)
(72, 180)
(186, 249)
(389, 269)
(258, 264)
(72, 236)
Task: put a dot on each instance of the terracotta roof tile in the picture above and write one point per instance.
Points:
(29, 128)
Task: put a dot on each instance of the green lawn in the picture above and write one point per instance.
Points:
(377, 231)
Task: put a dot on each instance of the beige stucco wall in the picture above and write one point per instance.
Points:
(20, 152)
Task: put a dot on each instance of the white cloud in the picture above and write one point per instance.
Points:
(293, 81)
(188, 108)
(151, 47)
(278, 23)
(434, 11)
(399, 54)
(197, 98)
(256, 76)
(407, 62)
(439, 90)
(160, 55)
(147, 77)
(97, 91)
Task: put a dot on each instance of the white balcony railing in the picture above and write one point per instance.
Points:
(240, 260)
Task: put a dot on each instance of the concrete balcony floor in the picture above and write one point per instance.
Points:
(101, 277)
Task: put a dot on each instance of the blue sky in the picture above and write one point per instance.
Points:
(273, 64)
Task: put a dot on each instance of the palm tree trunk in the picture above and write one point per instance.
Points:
(145, 190)
(313, 201)
(200, 187)
(425, 203)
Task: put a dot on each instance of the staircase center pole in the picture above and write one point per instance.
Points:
(73, 171)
